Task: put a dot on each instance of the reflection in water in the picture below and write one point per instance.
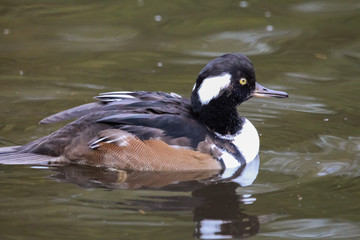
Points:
(214, 202)
(87, 176)
(219, 216)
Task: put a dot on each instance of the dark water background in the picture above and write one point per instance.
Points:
(58, 54)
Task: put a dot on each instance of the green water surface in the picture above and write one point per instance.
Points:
(58, 54)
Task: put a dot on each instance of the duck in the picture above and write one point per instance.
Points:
(158, 131)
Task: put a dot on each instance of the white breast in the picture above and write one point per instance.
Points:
(246, 141)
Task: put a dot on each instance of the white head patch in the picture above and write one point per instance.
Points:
(211, 87)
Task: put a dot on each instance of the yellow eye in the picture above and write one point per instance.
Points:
(243, 81)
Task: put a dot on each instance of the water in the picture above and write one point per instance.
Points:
(59, 54)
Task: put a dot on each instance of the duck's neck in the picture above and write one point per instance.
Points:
(221, 119)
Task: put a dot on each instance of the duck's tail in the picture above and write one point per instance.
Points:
(11, 156)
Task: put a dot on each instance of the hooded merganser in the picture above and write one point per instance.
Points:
(156, 131)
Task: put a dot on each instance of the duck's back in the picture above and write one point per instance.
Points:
(152, 124)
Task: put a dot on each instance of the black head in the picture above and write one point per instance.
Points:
(229, 80)
(221, 86)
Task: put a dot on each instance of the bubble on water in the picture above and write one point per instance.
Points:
(158, 18)
(299, 197)
(243, 4)
(269, 28)
(140, 3)
(267, 14)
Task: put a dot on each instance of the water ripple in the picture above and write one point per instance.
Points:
(305, 77)
(329, 155)
(251, 42)
(264, 108)
(327, 6)
(96, 38)
(313, 229)
(247, 42)
(350, 50)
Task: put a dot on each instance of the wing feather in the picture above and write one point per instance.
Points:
(124, 101)
(146, 115)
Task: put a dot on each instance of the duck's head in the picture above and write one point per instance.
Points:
(226, 82)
